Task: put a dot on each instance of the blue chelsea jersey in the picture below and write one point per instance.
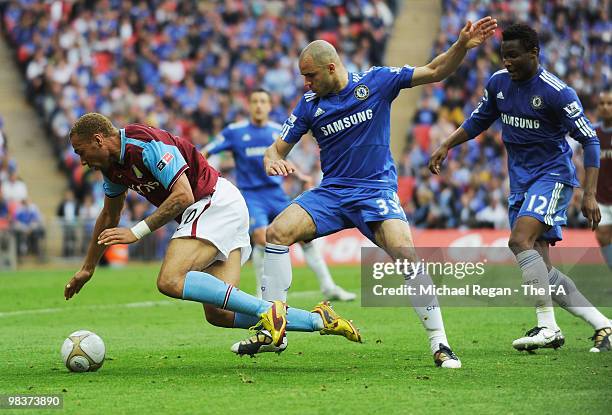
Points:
(536, 116)
(248, 143)
(352, 128)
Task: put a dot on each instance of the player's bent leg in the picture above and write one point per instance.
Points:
(394, 236)
(292, 225)
(258, 236)
(603, 233)
(229, 272)
(522, 242)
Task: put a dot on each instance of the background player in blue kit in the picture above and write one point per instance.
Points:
(537, 110)
(348, 115)
(264, 195)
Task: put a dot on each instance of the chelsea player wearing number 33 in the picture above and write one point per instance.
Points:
(348, 115)
(537, 110)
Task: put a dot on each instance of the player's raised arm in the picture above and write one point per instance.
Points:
(108, 218)
(446, 63)
(274, 159)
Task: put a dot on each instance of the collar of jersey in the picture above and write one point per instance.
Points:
(540, 69)
(122, 134)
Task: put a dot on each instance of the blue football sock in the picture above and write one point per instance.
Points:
(204, 288)
(244, 321)
(302, 320)
(606, 251)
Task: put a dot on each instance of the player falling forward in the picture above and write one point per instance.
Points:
(264, 195)
(537, 110)
(348, 114)
(211, 243)
(604, 183)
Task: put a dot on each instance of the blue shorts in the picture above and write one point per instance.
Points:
(264, 205)
(334, 208)
(545, 201)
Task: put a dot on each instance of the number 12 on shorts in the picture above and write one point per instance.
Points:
(541, 204)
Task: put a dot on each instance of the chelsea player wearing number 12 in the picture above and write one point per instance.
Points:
(537, 110)
(264, 195)
(348, 114)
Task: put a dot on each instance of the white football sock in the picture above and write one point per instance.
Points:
(258, 264)
(574, 302)
(535, 274)
(428, 310)
(315, 261)
(276, 278)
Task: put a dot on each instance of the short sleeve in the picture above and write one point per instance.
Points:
(297, 124)
(222, 142)
(112, 189)
(392, 79)
(164, 161)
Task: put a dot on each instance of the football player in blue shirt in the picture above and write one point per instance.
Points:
(537, 111)
(349, 117)
(264, 195)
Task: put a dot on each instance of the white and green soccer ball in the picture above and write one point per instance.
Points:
(83, 351)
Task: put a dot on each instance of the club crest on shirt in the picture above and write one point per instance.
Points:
(166, 158)
(536, 102)
(361, 92)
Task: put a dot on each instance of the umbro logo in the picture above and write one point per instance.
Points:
(500, 95)
(319, 111)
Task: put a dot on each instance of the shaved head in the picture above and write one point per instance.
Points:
(321, 52)
(322, 68)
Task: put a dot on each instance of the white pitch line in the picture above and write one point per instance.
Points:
(91, 307)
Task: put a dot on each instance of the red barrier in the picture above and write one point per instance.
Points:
(345, 247)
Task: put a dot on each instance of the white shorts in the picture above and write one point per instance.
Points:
(606, 214)
(222, 219)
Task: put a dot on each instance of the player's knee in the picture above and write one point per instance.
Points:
(279, 235)
(169, 286)
(603, 237)
(259, 236)
(519, 242)
(217, 317)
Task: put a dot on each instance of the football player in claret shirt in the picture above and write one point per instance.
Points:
(604, 183)
(349, 117)
(204, 257)
(537, 110)
(264, 195)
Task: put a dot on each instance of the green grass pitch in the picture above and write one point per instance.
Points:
(163, 358)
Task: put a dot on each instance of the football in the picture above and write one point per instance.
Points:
(83, 351)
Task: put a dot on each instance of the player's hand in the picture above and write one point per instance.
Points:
(114, 236)
(279, 168)
(590, 210)
(76, 283)
(475, 34)
(437, 158)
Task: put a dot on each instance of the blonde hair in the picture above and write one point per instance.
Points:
(92, 123)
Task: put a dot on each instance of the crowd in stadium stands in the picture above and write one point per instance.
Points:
(472, 191)
(188, 66)
(185, 66)
(18, 214)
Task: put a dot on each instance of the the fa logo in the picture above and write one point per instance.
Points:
(361, 92)
(536, 102)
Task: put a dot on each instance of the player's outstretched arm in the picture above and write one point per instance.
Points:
(459, 136)
(590, 208)
(108, 218)
(443, 65)
(274, 159)
(180, 198)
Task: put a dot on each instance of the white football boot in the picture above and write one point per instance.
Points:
(539, 337)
